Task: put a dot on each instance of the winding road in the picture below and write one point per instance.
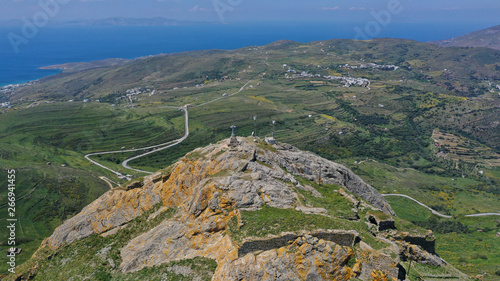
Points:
(241, 89)
(155, 148)
(436, 212)
(174, 143)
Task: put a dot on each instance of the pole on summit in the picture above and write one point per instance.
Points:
(233, 142)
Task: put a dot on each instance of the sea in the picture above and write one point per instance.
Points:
(52, 45)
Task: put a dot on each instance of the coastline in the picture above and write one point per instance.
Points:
(9, 90)
(50, 72)
(39, 58)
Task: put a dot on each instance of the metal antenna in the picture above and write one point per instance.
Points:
(319, 174)
(255, 125)
(274, 122)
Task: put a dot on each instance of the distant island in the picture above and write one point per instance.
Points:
(116, 21)
(122, 21)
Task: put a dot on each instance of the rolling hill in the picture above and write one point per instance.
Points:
(486, 38)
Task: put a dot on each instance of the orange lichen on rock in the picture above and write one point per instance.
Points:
(115, 208)
(376, 261)
(378, 276)
(184, 177)
(356, 269)
(321, 260)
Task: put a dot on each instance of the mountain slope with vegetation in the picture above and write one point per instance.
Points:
(407, 117)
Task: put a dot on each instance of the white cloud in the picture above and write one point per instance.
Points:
(357, 8)
(197, 8)
(330, 8)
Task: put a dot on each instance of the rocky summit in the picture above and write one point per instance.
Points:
(252, 210)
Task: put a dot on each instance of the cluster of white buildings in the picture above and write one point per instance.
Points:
(5, 104)
(351, 81)
(11, 88)
(371, 65)
(134, 91)
(137, 91)
(347, 81)
(305, 74)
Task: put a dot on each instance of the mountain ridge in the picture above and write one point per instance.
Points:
(486, 38)
(213, 192)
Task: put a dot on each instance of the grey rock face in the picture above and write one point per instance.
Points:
(313, 167)
(113, 209)
(306, 258)
(339, 237)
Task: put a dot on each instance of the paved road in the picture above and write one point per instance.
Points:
(241, 89)
(436, 212)
(484, 215)
(158, 147)
(176, 142)
(155, 148)
(119, 151)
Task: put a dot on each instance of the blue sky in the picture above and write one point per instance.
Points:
(461, 11)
